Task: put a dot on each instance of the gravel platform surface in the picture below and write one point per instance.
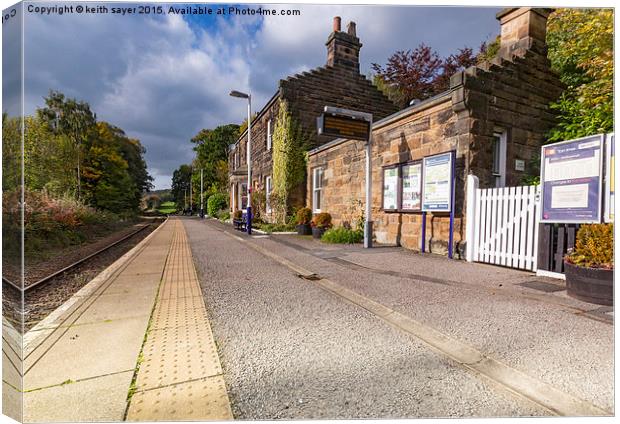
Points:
(290, 350)
(488, 311)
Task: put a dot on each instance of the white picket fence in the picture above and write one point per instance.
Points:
(502, 225)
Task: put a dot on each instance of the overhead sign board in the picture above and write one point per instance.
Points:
(571, 180)
(437, 182)
(343, 126)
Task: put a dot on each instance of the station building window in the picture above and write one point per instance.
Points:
(269, 135)
(268, 188)
(499, 158)
(317, 189)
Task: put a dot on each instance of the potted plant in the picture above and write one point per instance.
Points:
(589, 266)
(303, 219)
(321, 223)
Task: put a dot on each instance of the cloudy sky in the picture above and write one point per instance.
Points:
(164, 77)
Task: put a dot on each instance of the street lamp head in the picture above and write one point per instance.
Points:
(239, 94)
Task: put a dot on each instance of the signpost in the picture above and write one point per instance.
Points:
(571, 180)
(351, 124)
(438, 191)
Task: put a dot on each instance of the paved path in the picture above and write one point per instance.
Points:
(293, 348)
(180, 376)
(81, 362)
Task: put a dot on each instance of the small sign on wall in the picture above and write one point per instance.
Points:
(519, 165)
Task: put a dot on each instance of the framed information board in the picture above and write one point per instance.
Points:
(390, 188)
(411, 197)
(571, 180)
(437, 182)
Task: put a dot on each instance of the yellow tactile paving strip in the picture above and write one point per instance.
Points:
(180, 377)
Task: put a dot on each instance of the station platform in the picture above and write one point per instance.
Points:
(134, 344)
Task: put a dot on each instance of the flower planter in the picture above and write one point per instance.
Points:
(592, 285)
(317, 232)
(304, 229)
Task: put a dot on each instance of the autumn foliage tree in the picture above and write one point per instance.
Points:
(419, 73)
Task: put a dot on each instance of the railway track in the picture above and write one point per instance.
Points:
(74, 265)
(25, 307)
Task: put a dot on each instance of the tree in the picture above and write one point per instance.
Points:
(580, 48)
(421, 73)
(72, 118)
(180, 184)
(212, 157)
(107, 178)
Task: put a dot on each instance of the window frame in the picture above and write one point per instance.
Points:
(317, 191)
(268, 189)
(269, 136)
(500, 146)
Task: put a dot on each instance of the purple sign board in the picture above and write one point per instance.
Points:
(571, 180)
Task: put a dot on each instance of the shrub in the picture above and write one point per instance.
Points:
(216, 203)
(322, 220)
(343, 235)
(223, 216)
(274, 228)
(594, 247)
(303, 216)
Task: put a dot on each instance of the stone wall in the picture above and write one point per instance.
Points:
(505, 94)
(416, 132)
(511, 95)
(307, 94)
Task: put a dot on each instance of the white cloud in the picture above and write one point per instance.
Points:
(163, 79)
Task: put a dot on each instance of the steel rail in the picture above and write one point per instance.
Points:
(74, 264)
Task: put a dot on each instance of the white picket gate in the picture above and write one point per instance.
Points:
(502, 225)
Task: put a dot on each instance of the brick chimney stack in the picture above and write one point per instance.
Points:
(343, 48)
(523, 28)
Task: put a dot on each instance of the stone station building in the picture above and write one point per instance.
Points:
(494, 116)
(338, 83)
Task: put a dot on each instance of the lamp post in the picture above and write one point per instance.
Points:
(241, 95)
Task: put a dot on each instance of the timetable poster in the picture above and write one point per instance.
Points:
(412, 186)
(437, 183)
(390, 188)
(571, 181)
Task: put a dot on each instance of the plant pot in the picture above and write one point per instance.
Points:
(317, 232)
(304, 229)
(592, 285)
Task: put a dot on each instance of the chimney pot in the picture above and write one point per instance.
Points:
(351, 29)
(337, 23)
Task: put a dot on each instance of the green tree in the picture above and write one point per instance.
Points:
(580, 45)
(180, 184)
(211, 148)
(72, 118)
(108, 182)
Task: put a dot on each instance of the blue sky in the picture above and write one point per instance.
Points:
(163, 78)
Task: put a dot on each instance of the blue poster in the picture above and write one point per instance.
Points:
(571, 180)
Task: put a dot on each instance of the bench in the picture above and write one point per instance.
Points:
(240, 224)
